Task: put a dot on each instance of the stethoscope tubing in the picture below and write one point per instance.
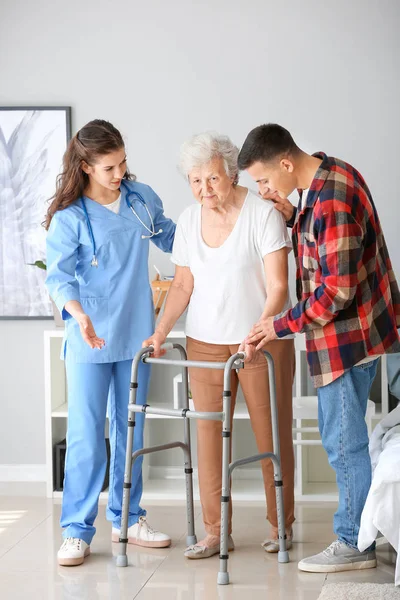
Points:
(151, 229)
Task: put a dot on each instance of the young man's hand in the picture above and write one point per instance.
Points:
(262, 333)
(282, 204)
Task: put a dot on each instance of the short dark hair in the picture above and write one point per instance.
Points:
(264, 144)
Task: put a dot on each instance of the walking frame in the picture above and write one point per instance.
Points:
(235, 362)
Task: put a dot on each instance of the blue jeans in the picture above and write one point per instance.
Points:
(342, 405)
(90, 386)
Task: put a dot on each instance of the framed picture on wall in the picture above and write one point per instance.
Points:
(32, 143)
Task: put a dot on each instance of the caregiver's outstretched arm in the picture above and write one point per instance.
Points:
(85, 324)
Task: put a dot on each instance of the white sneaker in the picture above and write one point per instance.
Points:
(141, 534)
(73, 552)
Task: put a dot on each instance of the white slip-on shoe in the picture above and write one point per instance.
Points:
(198, 551)
(73, 552)
(272, 545)
(141, 534)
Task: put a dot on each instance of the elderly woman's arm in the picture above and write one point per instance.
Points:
(177, 300)
(276, 274)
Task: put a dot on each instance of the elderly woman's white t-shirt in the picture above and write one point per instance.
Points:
(229, 281)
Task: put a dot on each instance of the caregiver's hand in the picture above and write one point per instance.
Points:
(249, 349)
(74, 308)
(88, 333)
(157, 339)
(282, 204)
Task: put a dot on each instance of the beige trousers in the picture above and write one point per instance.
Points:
(207, 386)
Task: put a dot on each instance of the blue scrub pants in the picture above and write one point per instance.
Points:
(89, 385)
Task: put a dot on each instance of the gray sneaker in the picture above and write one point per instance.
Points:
(338, 557)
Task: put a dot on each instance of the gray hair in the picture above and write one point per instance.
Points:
(202, 148)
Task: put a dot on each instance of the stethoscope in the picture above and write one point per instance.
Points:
(151, 229)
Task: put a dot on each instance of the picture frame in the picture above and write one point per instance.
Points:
(33, 140)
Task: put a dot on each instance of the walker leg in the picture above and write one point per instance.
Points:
(191, 538)
(122, 559)
(223, 574)
(223, 578)
(283, 556)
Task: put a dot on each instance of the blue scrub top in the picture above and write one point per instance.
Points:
(117, 294)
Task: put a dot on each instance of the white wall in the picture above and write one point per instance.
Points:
(22, 392)
(161, 71)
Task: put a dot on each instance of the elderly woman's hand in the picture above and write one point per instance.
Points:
(262, 333)
(156, 340)
(249, 350)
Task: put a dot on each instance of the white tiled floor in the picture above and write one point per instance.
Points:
(30, 537)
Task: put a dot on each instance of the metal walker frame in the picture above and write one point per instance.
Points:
(235, 362)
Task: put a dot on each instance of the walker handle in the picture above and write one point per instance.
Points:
(241, 358)
(167, 346)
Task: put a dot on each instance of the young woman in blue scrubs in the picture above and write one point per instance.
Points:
(99, 223)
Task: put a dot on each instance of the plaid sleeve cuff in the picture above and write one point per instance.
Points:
(291, 221)
(282, 325)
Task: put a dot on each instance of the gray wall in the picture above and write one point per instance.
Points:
(162, 71)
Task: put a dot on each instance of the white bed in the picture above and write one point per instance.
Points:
(382, 508)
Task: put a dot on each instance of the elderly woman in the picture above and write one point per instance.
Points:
(230, 253)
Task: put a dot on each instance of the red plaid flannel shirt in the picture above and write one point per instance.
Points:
(348, 297)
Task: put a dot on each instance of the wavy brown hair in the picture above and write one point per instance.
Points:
(95, 139)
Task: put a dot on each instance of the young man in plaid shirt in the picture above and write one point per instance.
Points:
(348, 307)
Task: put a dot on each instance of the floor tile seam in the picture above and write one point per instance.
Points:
(25, 536)
(151, 575)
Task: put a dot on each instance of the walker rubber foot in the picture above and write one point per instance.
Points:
(122, 560)
(191, 540)
(223, 578)
(283, 557)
